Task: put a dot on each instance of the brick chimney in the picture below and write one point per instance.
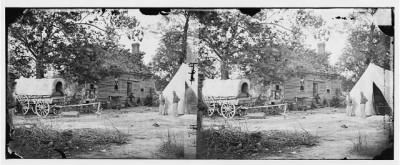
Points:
(321, 48)
(135, 48)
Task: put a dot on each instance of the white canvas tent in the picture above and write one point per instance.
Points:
(373, 75)
(177, 84)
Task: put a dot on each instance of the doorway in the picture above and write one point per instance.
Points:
(128, 88)
(379, 102)
(315, 89)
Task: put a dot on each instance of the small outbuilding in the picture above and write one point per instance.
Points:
(126, 89)
(312, 88)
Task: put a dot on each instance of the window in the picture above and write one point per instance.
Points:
(302, 85)
(141, 90)
(116, 84)
(328, 91)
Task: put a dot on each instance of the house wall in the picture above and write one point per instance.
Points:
(140, 87)
(268, 93)
(292, 88)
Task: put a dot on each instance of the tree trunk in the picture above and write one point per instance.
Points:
(184, 40)
(370, 53)
(39, 69)
(224, 71)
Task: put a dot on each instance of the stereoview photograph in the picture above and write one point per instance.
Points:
(269, 83)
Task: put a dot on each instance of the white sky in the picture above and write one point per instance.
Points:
(337, 40)
(335, 44)
(150, 40)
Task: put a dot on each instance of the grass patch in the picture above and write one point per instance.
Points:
(40, 142)
(171, 148)
(230, 143)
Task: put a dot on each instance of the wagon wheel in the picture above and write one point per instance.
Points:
(211, 109)
(42, 109)
(228, 111)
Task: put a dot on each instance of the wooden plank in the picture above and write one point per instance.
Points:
(75, 105)
(268, 106)
(70, 114)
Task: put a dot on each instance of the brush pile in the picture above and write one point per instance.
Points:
(231, 143)
(40, 142)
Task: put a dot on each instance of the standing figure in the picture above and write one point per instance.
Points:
(131, 100)
(190, 100)
(162, 104)
(175, 102)
(166, 106)
(328, 98)
(317, 98)
(363, 101)
(349, 105)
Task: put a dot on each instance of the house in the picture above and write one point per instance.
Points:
(116, 90)
(308, 88)
(124, 89)
(272, 93)
(305, 88)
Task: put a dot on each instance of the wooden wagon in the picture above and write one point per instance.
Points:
(229, 98)
(45, 96)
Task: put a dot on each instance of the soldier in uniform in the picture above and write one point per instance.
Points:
(162, 105)
(363, 101)
(175, 102)
(349, 106)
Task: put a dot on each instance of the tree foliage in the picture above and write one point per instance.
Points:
(263, 46)
(365, 45)
(73, 42)
(165, 62)
(223, 33)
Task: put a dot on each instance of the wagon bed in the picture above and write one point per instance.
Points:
(44, 96)
(44, 105)
(229, 98)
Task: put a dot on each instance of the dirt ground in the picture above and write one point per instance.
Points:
(337, 133)
(144, 140)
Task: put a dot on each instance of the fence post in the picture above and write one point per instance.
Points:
(98, 107)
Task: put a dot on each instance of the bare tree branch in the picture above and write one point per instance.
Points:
(91, 25)
(22, 39)
(212, 47)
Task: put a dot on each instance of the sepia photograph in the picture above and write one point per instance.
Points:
(200, 83)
